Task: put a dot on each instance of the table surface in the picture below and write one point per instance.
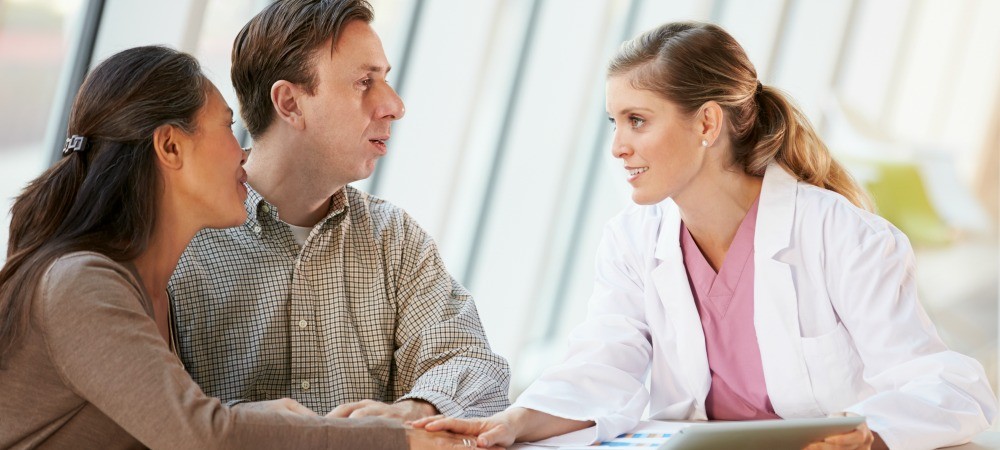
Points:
(985, 440)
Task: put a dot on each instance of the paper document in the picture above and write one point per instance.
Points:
(647, 435)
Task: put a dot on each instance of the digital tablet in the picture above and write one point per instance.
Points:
(791, 434)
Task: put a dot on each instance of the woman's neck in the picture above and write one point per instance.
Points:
(713, 209)
(156, 264)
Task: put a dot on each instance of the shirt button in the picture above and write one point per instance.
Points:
(265, 208)
(256, 228)
(302, 323)
(305, 385)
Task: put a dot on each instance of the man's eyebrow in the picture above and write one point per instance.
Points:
(375, 68)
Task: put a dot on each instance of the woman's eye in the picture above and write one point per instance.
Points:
(636, 121)
(612, 120)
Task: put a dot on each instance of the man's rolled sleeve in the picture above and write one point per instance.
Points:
(442, 355)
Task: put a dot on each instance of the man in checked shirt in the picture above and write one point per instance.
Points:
(326, 295)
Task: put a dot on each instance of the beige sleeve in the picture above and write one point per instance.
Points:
(110, 353)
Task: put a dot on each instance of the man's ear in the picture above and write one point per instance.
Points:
(285, 97)
(169, 143)
(708, 121)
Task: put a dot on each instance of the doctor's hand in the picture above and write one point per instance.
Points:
(404, 410)
(861, 438)
(281, 405)
(491, 431)
(432, 440)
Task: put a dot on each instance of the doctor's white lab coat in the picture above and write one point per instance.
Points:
(836, 313)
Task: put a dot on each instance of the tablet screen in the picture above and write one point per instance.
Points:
(760, 434)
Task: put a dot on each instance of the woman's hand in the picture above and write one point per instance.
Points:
(861, 438)
(281, 405)
(491, 431)
(420, 439)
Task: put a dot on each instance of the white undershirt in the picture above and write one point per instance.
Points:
(300, 234)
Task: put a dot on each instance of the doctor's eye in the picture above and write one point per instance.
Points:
(613, 125)
(636, 121)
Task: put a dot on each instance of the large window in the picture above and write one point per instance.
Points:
(37, 38)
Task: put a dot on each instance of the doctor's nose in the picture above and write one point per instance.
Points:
(620, 149)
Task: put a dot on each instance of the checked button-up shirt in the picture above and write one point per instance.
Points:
(364, 310)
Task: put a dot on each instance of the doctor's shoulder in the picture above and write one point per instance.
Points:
(823, 213)
(637, 229)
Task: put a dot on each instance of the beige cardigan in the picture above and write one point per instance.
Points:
(94, 372)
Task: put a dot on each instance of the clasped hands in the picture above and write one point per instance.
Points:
(406, 410)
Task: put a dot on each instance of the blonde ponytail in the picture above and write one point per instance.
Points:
(785, 136)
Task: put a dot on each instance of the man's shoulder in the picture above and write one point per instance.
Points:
(379, 212)
(364, 202)
(382, 218)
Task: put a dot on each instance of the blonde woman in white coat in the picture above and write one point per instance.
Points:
(730, 179)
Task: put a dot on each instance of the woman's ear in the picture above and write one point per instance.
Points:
(708, 122)
(285, 97)
(169, 144)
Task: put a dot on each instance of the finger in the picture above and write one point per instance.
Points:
(344, 410)
(420, 423)
(368, 411)
(460, 426)
(855, 437)
(299, 408)
(495, 436)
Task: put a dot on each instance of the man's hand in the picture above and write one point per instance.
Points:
(281, 405)
(404, 410)
(427, 440)
(488, 432)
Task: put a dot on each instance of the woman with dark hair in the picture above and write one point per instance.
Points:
(86, 356)
(749, 281)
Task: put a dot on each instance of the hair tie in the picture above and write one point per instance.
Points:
(760, 88)
(74, 143)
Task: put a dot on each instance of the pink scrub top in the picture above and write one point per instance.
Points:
(725, 304)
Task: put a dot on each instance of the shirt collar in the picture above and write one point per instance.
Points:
(259, 210)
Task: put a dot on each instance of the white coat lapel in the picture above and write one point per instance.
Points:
(674, 291)
(776, 312)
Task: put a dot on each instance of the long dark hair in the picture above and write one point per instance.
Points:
(690, 63)
(104, 198)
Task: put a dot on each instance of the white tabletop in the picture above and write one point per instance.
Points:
(985, 440)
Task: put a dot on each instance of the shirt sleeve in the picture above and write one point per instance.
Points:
(110, 353)
(927, 396)
(602, 377)
(442, 355)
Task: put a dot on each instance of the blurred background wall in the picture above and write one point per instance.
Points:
(504, 152)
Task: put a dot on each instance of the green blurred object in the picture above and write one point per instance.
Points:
(901, 197)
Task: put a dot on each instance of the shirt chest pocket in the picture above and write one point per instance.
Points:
(835, 369)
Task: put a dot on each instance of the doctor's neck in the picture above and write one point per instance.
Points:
(715, 204)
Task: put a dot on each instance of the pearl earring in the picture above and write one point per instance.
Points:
(704, 142)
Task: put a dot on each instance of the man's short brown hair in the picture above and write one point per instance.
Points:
(278, 44)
